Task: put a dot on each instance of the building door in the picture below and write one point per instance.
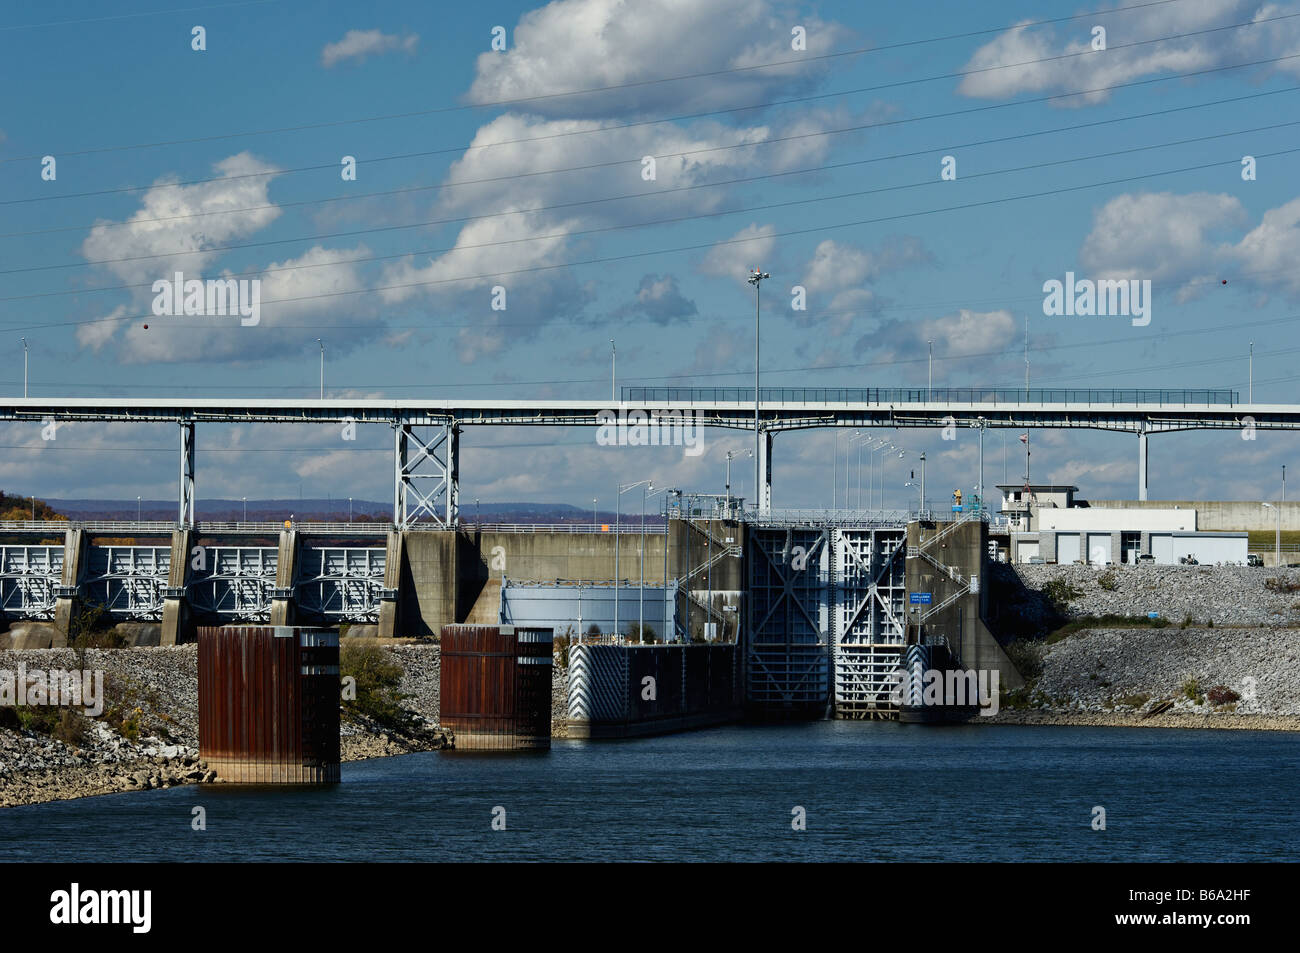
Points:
(1067, 548)
(1099, 549)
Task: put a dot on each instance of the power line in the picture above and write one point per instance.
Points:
(571, 234)
(132, 16)
(598, 165)
(858, 365)
(703, 245)
(686, 188)
(801, 61)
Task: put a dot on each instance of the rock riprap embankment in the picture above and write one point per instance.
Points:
(1224, 595)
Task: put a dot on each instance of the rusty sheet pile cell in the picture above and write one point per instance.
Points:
(495, 691)
(269, 703)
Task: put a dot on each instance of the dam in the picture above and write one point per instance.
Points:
(811, 616)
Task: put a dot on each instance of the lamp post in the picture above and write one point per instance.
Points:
(922, 481)
(730, 454)
(477, 520)
(594, 523)
(322, 367)
(24, 340)
(981, 425)
(756, 277)
(137, 509)
(871, 468)
(618, 499)
(1277, 543)
(613, 372)
(929, 390)
(349, 509)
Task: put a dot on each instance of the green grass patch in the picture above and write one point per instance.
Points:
(1108, 621)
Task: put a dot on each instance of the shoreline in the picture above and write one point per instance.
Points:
(94, 779)
(1226, 721)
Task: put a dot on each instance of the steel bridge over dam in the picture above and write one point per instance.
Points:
(426, 447)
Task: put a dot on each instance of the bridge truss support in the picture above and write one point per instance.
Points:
(763, 492)
(426, 475)
(186, 517)
(1143, 461)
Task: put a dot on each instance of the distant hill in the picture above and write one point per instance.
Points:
(24, 508)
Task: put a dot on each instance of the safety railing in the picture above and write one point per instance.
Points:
(937, 395)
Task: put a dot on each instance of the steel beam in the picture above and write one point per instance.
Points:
(1143, 462)
(426, 473)
(186, 517)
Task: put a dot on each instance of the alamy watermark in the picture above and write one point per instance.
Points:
(951, 687)
(651, 428)
(57, 687)
(1104, 298)
(215, 297)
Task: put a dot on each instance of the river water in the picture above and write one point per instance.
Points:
(870, 791)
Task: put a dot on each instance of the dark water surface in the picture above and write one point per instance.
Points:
(871, 790)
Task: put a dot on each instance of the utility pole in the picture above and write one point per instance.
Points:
(755, 278)
(923, 481)
(1277, 543)
(1026, 359)
(929, 391)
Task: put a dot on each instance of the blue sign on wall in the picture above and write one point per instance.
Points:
(920, 598)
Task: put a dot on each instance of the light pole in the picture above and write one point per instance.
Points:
(245, 509)
(929, 389)
(24, 340)
(349, 509)
(1250, 393)
(137, 509)
(1277, 542)
(730, 454)
(32, 499)
(595, 525)
(755, 278)
(871, 468)
(667, 491)
(613, 372)
(981, 425)
(322, 367)
(477, 520)
(922, 481)
(618, 499)
(860, 438)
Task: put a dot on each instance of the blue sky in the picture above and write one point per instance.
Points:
(479, 168)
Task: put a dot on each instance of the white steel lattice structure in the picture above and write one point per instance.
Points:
(29, 576)
(868, 597)
(341, 582)
(234, 581)
(426, 476)
(127, 581)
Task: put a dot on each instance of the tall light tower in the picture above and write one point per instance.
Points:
(322, 367)
(755, 278)
(24, 340)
